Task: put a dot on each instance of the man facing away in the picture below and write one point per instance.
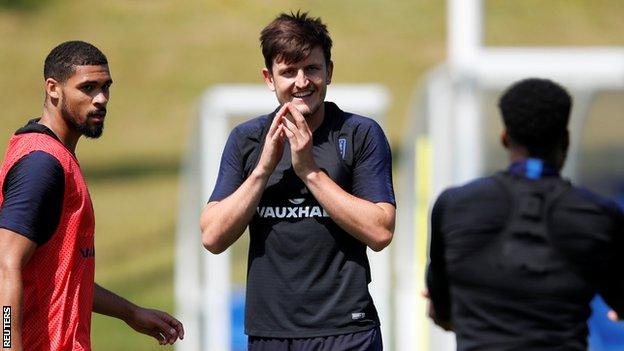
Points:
(314, 185)
(515, 258)
(47, 221)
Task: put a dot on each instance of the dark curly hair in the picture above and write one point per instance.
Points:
(536, 114)
(61, 62)
(291, 38)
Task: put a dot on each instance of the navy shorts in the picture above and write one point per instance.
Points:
(369, 340)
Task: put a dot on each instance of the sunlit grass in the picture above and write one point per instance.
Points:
(163, 54)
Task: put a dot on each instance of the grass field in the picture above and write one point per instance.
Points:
(163, 54)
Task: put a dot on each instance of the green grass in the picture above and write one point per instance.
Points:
(163, 54)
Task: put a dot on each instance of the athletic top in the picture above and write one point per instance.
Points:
(33, 192)
(306, 276)
(526, 309)
(58, 278)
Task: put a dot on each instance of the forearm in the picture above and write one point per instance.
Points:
(372, 224)
(110, 304)
(223, 222)
(11, 296)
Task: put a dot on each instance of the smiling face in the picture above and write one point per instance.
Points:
(83, 98)
(302, 83)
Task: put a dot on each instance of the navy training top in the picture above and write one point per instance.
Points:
(33, 192)
(489, 313)
(306, 276)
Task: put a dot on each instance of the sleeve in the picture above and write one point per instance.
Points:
(437, 281)
(33, 197)
(372, 171)
(231, 170)
(612, 287)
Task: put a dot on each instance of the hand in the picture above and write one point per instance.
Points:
(158, 324)
(446, 325)
(273, 144)
(613, 316)
(300, 138)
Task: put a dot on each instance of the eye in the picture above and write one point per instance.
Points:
(87, 88)
(289, 72)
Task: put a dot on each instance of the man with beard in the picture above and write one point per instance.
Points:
(314, 185)
(46, 217)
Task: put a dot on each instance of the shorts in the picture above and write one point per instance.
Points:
(368, 340)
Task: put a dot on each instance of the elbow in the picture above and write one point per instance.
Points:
(381, 240)
(212, 243)
(210, 236)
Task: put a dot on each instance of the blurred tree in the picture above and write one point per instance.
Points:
(21, 5)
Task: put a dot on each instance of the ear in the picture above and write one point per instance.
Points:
(268, 78)
(504, 138)
(330, 71)
(53, 88)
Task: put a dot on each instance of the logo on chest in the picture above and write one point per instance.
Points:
(291, 211)
(87, 252)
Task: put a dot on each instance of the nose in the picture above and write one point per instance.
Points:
(302, 79)
(100, 99)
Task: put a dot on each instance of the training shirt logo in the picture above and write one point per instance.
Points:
(342, 145)
(297, 201)
(291, 211)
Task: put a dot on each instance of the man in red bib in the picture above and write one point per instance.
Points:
(47, 222)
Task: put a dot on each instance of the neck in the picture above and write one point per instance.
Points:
(53, 119)
(517, 155)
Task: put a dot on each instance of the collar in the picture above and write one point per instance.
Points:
(533, 168)
(33, 126)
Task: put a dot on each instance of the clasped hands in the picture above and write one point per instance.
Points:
(288, 125)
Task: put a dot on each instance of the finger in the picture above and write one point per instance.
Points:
(162, 324)
(294, 128)
(279, 132)
(283, 110)
(278, 117)
(175, 328)
(158, 336)
(179, 327)
(290, 135)
(290, 130)
(299, 119)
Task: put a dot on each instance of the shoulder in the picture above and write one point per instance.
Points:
(583, 197)
(40, 161)
(251, 127)
(37, 169)
(248, 134)
(362, 125)
(352, 121)
(477, 188)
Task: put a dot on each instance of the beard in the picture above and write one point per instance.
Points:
(89, 131)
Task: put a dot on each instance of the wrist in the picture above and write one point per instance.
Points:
(260, 173)
(130, 311)
(312, 176)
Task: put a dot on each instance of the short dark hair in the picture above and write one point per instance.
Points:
(61, 62)
(536, 114)
(291, 38)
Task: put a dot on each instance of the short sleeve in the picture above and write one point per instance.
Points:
(231, 169)
(372, 170)
(33, 197)
(436, 275)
